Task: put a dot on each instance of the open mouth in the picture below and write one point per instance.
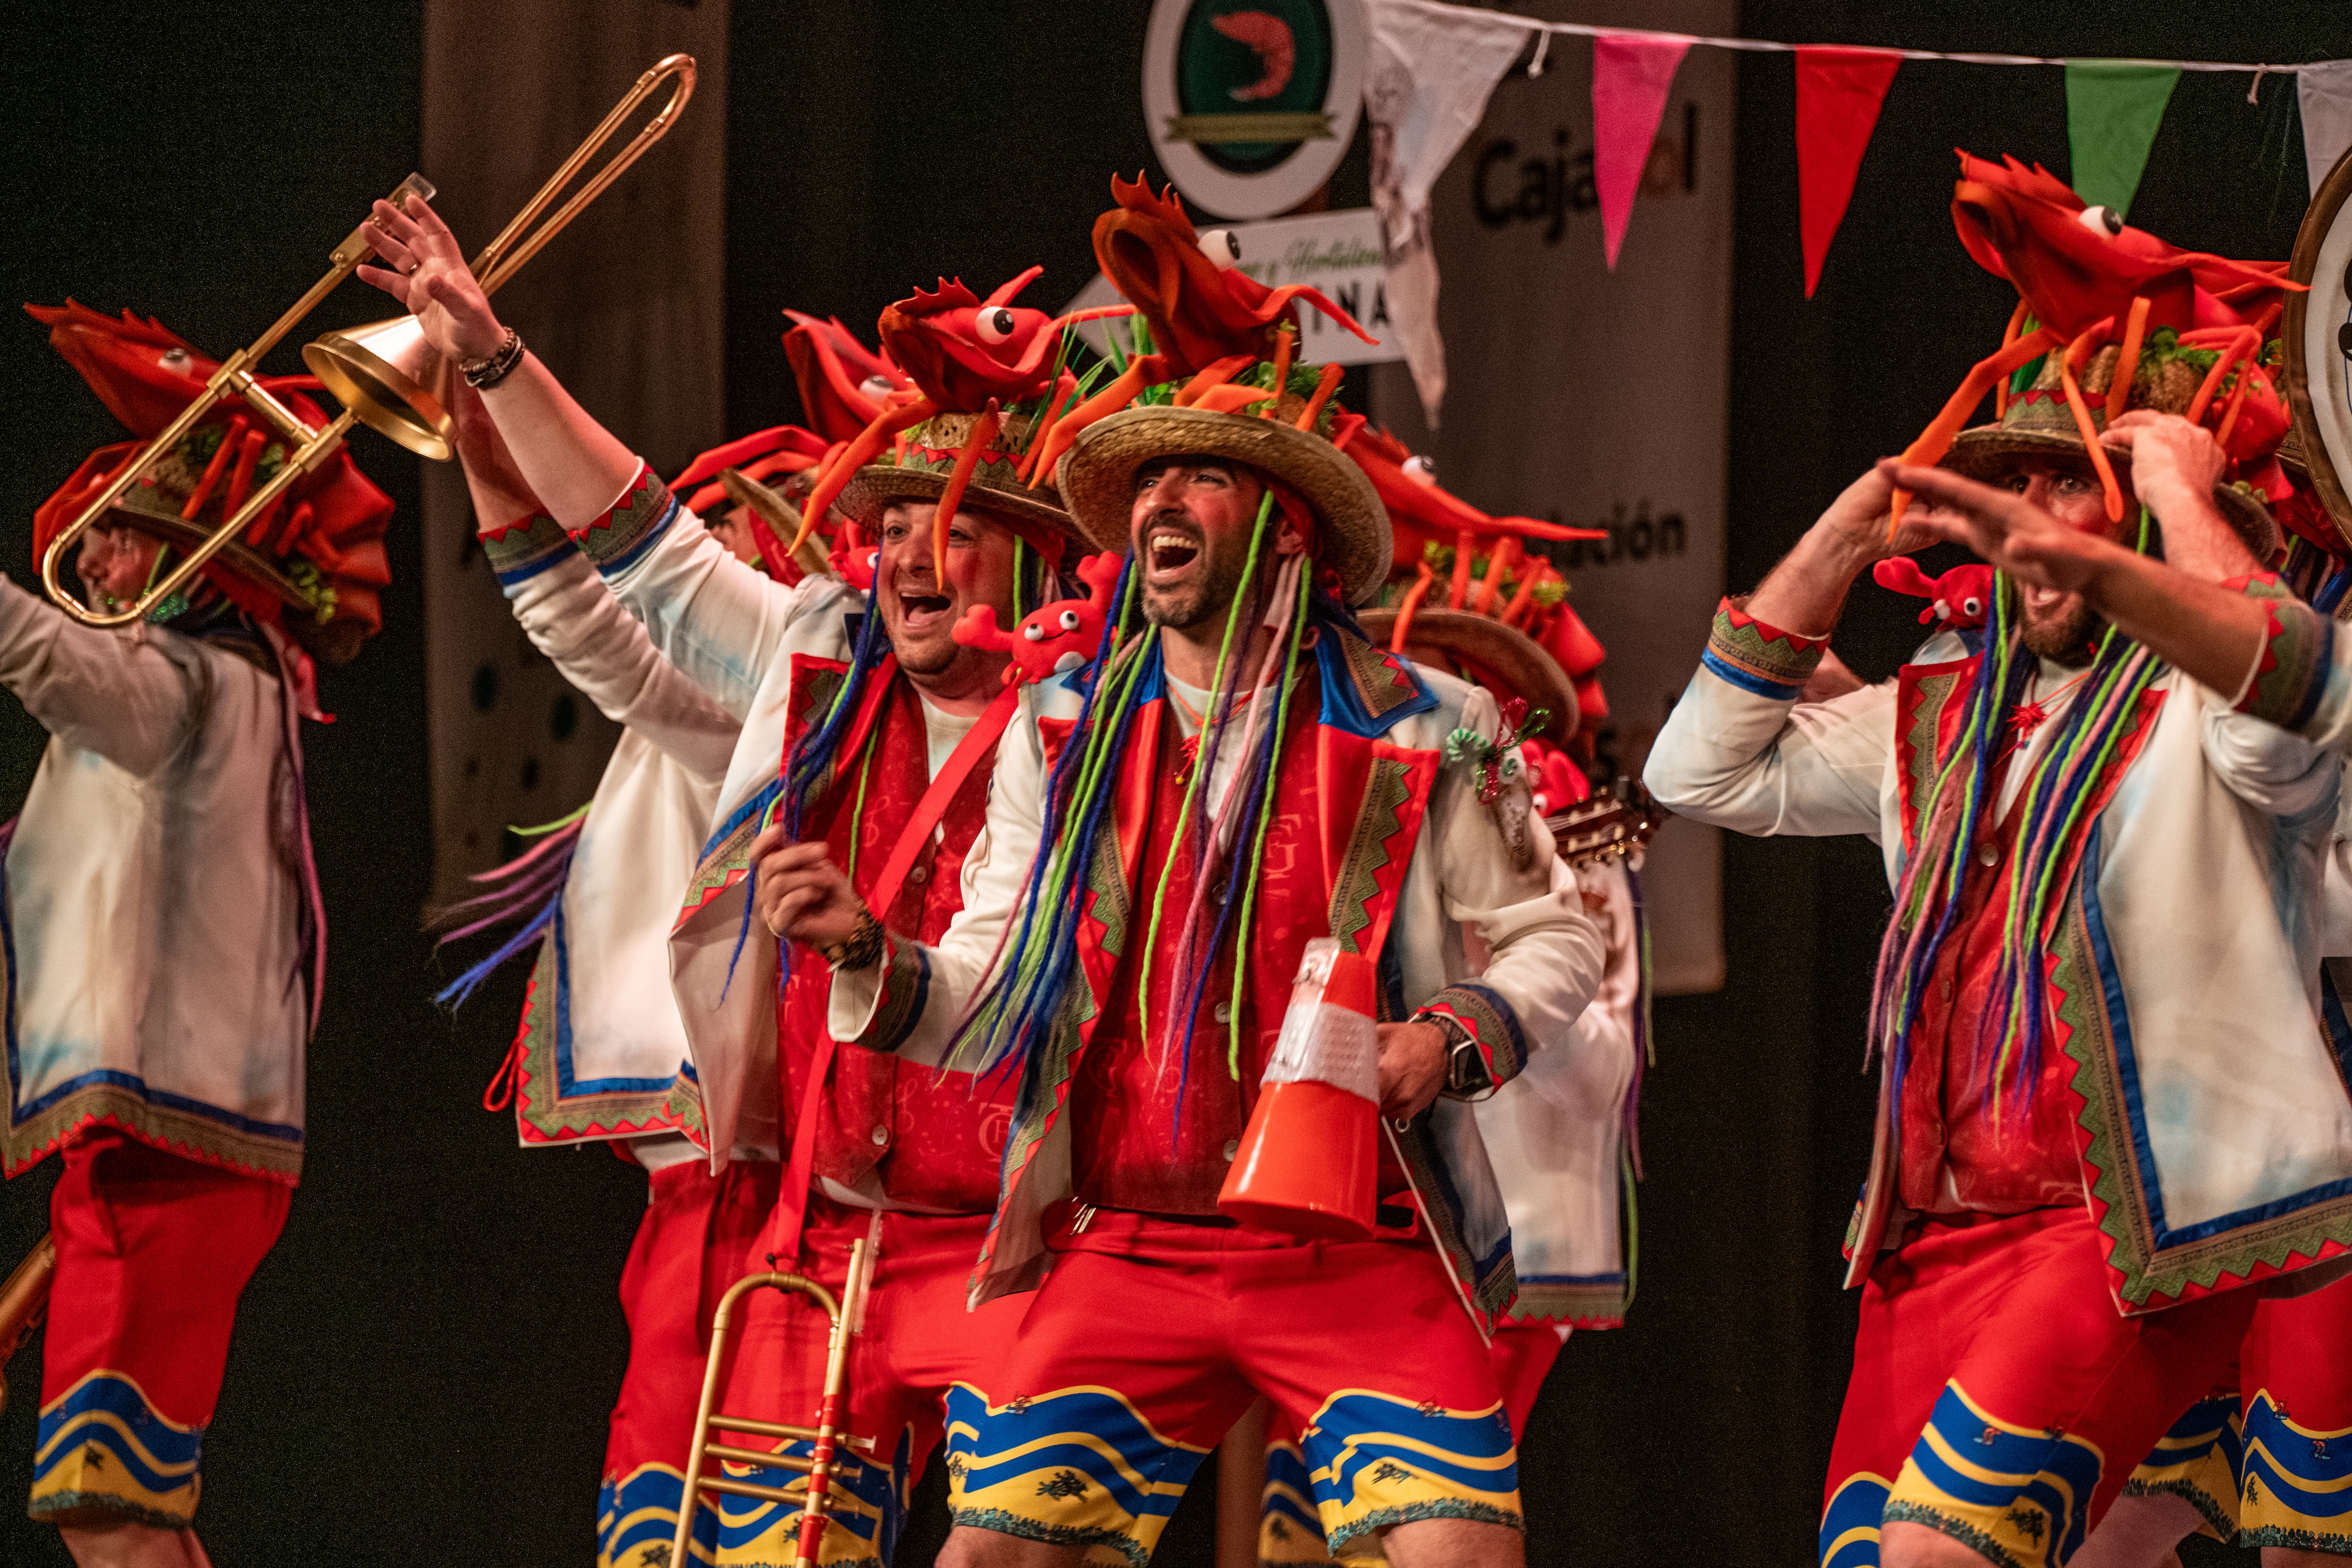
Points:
(921, 610)
(1170, 551)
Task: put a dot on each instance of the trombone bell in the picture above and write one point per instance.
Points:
(385, 372)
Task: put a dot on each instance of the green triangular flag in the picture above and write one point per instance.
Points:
(2112, 111)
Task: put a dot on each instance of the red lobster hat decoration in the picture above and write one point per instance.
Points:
(970, 360)
(1492, 582)
(314, 564)
(2109, 319)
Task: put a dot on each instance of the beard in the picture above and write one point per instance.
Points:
(2065, 633)
(1211, 591)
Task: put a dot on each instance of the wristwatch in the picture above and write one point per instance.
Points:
(1466, 1070)
(860, 949)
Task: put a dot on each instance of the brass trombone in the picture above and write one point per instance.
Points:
(24, 1303)
(382, 374)
(831, 1432)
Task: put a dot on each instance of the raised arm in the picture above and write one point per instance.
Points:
(1741, 750)
(114, 693)
(706, 618)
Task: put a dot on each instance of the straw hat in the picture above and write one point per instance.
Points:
(930, 456)
(2039, 424)
(1096, 479)
(1504, 660)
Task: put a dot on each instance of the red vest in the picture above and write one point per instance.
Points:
(1151, 1130)
(932, 1139)
(1956, 1153)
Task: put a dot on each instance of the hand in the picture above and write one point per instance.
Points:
(1412, 1068)
(1856, 523)
(802, 896)
(2175, 468)
(425, 271)
(2011, 532)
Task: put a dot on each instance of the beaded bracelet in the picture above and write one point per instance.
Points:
(483, 374)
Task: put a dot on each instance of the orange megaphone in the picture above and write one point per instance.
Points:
(1309, 1163)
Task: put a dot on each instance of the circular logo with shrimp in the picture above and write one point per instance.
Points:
(1252, 103)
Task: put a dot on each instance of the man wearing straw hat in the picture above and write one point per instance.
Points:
(2269, 1462)
(1238, 776)
(868, 728)
(2110, 1105)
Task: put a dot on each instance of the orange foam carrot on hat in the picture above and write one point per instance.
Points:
(1937, 438)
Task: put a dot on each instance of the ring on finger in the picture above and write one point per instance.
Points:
(411, 269)
(771, 924)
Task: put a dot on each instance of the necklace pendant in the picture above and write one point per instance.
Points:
(1188, 751)
(2028, 718)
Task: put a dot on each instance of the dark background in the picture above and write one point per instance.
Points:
(424, 1364)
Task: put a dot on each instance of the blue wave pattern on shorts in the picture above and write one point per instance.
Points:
(1077, 1466)
(1290, 1527)
(103, 1444)
(2298, 1482)
(636, 1519)
(866, 1505)
(2003, 1490)
(2200, 1460)
(1850, 1523)
(1379, 1460)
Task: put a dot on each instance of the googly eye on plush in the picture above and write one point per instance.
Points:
(1033, 632)
(1424, 469)
(1972, 606)
(1221, 246)
(2101, 220)
(1069, 619)
(993, 324)
(174, 359)
(877, 385)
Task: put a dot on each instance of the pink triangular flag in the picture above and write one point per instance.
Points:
(1631, 75)
(1838, 95)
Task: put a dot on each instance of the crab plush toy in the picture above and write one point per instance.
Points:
(1958, 600)
(1052, 639)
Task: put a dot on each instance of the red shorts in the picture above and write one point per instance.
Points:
(154, 1251)
(692, 1244)
(1153, 1335)
(1999, 1397)
(1290, 1529)
(917, 1341)
(2297, 1377)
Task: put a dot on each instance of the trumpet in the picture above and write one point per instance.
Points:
(383, 374)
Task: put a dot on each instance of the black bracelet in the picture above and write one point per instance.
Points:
(860, 950)
(483, 374)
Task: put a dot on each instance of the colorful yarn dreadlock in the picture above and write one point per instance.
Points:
(2051, 816)
(526, 893)
(1015, 1014)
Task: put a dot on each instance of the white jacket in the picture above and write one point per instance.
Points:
(157, 890)
(602, 1044)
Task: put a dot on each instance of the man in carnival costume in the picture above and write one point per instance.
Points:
(160, 1005)
(600, 1051)
(1470, 598)
(1238, 774)
(2267, 1462)
(2085, 1153)
(866, 727)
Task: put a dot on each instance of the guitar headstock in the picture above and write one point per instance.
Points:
(1608, 827)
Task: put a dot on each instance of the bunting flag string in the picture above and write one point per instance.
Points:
(1459, 52)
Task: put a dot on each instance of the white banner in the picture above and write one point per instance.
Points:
(1598, 398)
(624, 306)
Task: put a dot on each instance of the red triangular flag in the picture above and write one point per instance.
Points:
(1631, 75)
(1838, 95)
